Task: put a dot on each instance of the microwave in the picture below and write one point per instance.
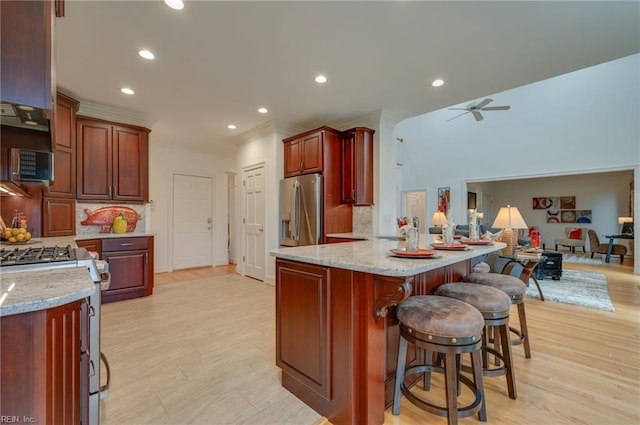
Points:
(31, 166)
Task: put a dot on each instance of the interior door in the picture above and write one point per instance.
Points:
(192, 221)
(255, 250)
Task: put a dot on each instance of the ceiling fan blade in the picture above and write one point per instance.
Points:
(459, 115)
(497, 108)
(483, 103)
(458, 109)
(477, 115)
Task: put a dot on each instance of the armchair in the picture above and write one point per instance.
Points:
(601, 248)
(575, 237)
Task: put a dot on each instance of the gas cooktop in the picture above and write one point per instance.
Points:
(36, 255)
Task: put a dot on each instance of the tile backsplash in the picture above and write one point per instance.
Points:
(142, 226)
(362, 219)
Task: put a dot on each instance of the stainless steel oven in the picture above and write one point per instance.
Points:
(33, 258)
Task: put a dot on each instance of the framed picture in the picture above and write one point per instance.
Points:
(583, 216)
(444, 196)
(568, 216)
(567, 202)
(471, 201)
(553, 216)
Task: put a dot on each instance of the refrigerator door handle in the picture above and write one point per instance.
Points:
(295, 212)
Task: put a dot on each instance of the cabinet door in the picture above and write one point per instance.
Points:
(348, 174)
(130, 159)
(292, 158)
(129, 274)
(312, 153)
(59, 217)
(64, 149)
(25, 48)
(94, 160)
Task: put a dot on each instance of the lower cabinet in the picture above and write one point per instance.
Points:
(131, 266)
(43, 364)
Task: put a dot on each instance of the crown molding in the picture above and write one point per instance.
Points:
(110, 113)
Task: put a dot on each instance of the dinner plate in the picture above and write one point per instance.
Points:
(451, 247)
(420, 253)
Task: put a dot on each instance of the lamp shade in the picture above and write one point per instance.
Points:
(509, 218)
(622, 220)
(438, 218)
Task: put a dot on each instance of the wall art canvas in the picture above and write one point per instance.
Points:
(444, 194)
(553, 216)
(567, 202)
(568, 216)
(546, 202)
(583, 216)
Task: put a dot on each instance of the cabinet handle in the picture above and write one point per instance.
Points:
(146, 258)
(92, 311)
(92, 368)
(115, 191)
(300, 166)
(110, 196)
(48, 207)
(126, 244)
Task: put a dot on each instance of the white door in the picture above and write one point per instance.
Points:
(192, 221)
(254, 223)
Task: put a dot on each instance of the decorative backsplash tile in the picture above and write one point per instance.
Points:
(96, 218)
(363, 219)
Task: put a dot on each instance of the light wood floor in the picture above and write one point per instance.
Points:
(201, 351)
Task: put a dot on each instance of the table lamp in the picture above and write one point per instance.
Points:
(509, 218)
(438, 219)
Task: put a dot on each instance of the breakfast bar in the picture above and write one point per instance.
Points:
(336, 330)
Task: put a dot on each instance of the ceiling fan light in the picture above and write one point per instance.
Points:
(437, 83)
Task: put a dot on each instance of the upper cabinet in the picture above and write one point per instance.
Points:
(357, 166)
(303, 153)
(26, 52)
(113, 161)
(64, 149)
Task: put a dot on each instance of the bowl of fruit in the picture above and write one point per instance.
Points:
(16, 235)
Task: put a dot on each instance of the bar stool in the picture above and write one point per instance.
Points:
(450, 328)
(494, 305)
(515, 289)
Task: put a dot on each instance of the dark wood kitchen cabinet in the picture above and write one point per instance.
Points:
(58, 204)
(112, 161)
(26, 51)
(308, 152)
(43, 365)
(131, 266)
(357, 166)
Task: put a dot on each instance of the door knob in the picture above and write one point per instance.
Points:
(261, 230)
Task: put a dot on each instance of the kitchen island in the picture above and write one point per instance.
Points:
(336, 330)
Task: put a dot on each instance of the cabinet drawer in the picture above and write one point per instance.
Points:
(124, 244)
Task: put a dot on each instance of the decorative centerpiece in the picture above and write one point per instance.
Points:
(448, 229)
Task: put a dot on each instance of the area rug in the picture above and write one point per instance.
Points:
(585, 289)
(579, 259)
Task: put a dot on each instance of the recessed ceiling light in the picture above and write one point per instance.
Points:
(231, 127)
(321, 79)
(263, 110)
(127, 90)
(174, 4)
(437, 83)
(146, 54)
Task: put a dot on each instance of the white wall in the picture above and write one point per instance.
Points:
(582, 122)
(163, 163)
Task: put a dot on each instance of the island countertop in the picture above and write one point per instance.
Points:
(371, 254)
(22, 292)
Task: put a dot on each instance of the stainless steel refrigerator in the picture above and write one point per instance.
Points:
(301, 210)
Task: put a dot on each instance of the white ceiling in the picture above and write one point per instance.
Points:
(217, 62)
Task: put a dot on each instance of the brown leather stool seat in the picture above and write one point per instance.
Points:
(494, 306)
(450, 328)
(515, 289)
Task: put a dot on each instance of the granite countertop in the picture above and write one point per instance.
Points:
(372, 255)
(22, 292)
(71, 240)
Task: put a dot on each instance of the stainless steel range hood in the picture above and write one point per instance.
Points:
(24, 116)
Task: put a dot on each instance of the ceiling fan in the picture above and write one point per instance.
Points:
(475, 109)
